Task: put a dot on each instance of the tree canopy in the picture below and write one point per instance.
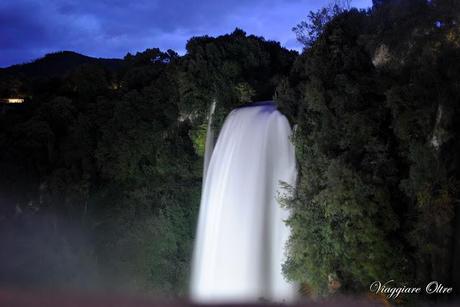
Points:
(373, 99)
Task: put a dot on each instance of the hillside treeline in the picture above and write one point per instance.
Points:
(101, 167)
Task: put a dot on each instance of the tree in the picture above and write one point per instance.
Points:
(307, 32)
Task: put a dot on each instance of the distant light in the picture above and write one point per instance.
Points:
(15, 100)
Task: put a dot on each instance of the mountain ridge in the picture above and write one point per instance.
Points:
(58, 63)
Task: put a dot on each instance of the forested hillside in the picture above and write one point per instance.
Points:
(56, 64)
(101, 167)
(375, 100)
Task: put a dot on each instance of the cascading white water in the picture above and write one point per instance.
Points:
(209, 146)
(241, 233)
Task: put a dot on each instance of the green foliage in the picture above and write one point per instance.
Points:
(347, 173)
(374, 102)
(245, 93)
(307, 32)
(119, 155)
(198, 136)
(231, 69)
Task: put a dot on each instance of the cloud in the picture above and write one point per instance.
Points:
(111, 28)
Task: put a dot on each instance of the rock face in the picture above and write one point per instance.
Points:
(381, 56)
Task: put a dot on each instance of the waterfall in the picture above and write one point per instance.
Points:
(241, 234)
(209, 146)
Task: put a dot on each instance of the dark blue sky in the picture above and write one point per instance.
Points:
(111, 28)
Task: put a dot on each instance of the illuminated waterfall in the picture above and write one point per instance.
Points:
(241, 235)
(209, 146)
